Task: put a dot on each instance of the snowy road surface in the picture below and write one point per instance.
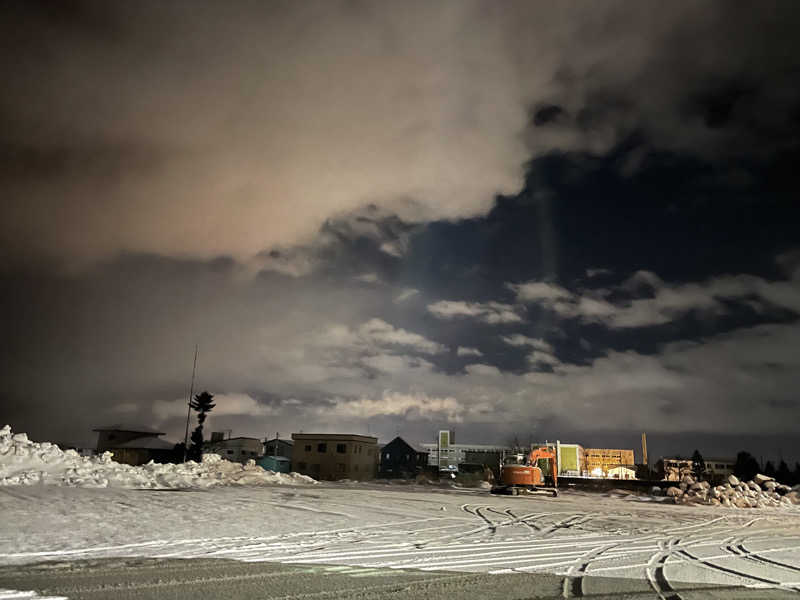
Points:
(581, 538)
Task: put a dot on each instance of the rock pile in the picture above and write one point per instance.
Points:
(761, 492)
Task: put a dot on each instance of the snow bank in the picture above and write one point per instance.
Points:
(23, 462)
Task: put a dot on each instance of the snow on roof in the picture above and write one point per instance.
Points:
(129, 428)
(147, 443)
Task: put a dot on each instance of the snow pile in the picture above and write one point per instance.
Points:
(24, 462)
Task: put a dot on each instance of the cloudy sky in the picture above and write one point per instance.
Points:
(570, 220)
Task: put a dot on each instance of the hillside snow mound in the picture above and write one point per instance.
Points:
(24, 462)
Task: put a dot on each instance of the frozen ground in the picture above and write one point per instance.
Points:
(582, 538)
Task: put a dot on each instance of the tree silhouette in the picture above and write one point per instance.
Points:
(698, 464)
(769, 469)
(202, 404)
(746, 466)
(783, 474)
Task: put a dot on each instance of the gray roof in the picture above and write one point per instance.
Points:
(147, 443)
(129, 427)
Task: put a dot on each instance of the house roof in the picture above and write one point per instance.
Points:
(336, 437)
(129, 428)
(147, 443)
(282, 440)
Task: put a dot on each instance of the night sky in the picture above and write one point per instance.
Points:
(546, 220)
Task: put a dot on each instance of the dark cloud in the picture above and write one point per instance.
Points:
(559, 222)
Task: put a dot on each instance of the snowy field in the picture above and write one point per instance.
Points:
(403, 527)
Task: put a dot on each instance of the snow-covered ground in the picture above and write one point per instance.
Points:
(407, 527)
(379, 526)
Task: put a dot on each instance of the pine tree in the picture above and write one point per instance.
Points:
(202, 404)
(698, 465)
(769, 469)
(783, 474)
(746, 466)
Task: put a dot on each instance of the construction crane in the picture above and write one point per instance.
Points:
(521, 474)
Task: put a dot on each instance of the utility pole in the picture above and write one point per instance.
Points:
(189, 407)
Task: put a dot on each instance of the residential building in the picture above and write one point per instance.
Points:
(278, 447)
(718, 469)
(332, 456)
(599, 461)
(134, 444)
(277, 455)
(236, 449)
(399, 459)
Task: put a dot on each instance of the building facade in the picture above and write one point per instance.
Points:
(599, 461)
(675, 468)
(718, 469)
(332, 456)
(134, 444)
(399, 459)
(571, 460)
(278, 447)
(236, 449)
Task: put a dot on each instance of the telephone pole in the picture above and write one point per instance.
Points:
(189, 407)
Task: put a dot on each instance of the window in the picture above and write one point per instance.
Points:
(386, 456)
(341, 448)
(308, 448)
(323, 447)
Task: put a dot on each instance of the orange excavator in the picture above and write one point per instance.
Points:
(522, 474)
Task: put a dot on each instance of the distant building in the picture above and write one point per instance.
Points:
(278, 447)
(332, 456)
(719, 468)
(236, 449)
(448, 458)
(399, 459)
(571, 458)
(277, 455)
(134, 444)
(599, 461)
(621, 473)
(675, 468)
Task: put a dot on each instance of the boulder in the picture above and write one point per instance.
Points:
(655, 491)
(761, 479)
(683, 485)
(715, 502)
(674, 492)
(687, 479)
(733, 480)
(754, 486)
(770, 486)
(783, 489)
(725, 501)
